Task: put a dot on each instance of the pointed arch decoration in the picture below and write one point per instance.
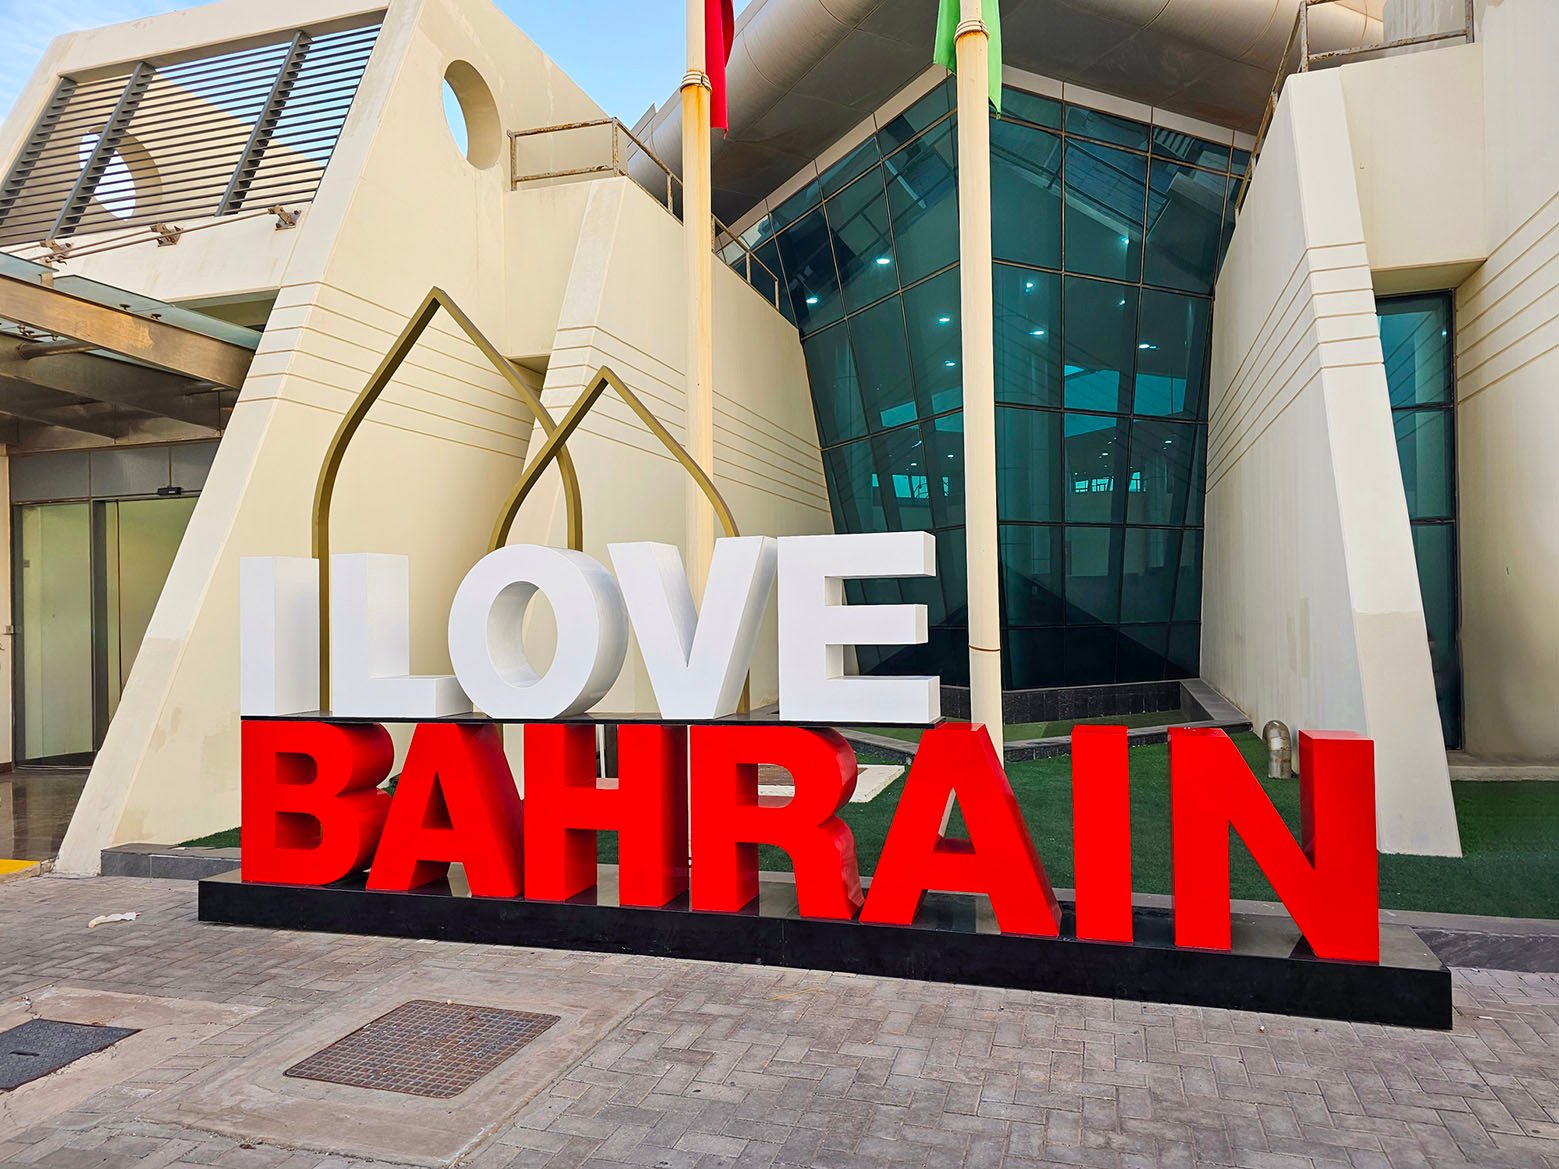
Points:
(553, 450)
(330, 470)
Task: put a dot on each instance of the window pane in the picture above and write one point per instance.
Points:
(1095, 457)
(1106, 201)
(797, 205)
(853, 164)
(1028, 465)
(1159, 483)
(1028, 336)
(953, 571)
(852, 488)
(1172, 341)
(935, 343)
(882, 359)
(1100, 343)
(1149, 570)
(1090, 655)
(1428, 471)
(1415, 341)
(809, 272)
(1093, 559)
(1031, 572)
(915, 119)
(901, 465)
(1185, 651)
(1185, 226)
(1188, 593)
(1239, 161)
(858, 217)
(1026, 194)
(944, 438)
(1435, 548)
(836, 390)
(1139, 654)
(922, 186)
(768, 253)
(1189, 149)
(1106, 127)
(1030, 107)
(1034, 659)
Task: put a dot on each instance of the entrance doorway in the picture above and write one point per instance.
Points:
(88, 575)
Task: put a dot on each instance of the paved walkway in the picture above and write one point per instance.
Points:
(668, 1064)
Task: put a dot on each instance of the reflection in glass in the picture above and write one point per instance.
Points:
(922, 182)
(1100, 343)
(1028, 455)
(882, 358)
(1185, 226)
(931, 315)
(1096, 479)
(1032, 568)
(1025, 194)
(1172, 355)
(1028, 336)
(863, 248)
(1424, 452)
(1106, 202)
(810, 276)
(1093, 562)
(836, 389)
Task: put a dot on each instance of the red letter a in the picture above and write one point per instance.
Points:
(998, 859)
(456, 801)
(1328, 885)
(310, 812)
(729, 823)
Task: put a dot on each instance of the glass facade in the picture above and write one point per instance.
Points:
(1416, 340)
(1107, 236)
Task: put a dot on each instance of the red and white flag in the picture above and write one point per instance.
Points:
(719, 35)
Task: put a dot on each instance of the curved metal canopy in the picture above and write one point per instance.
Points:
(804, 72)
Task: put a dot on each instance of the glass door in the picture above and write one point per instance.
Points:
(54, 576)
(89, 575)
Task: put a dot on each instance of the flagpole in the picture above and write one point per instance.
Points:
(698, 238)
(978, 313)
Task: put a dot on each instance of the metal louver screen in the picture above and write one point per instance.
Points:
(248, 129)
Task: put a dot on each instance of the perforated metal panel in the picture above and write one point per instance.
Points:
(213, 135)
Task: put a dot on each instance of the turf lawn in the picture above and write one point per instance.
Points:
(1510, 836)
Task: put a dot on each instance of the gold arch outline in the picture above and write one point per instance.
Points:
(330, 469)
(553, 450)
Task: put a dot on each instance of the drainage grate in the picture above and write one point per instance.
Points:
(41, 1046)
(424, 1048)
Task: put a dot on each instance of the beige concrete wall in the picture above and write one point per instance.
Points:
(1312, 611)
(623, 308)
(401, 210)
(1507, 318)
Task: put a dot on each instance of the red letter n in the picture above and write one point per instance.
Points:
(998, 859)
(729, 823)
(455, 801)
(311, 811)
(565, 807)
(1327, 883)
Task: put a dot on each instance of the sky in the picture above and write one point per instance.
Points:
(631, 58)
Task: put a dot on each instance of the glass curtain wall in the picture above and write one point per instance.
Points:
(1415, 338)
(1107, 238)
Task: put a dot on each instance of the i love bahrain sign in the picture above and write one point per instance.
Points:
(685, 806)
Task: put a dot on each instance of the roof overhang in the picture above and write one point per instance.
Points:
(805, 72)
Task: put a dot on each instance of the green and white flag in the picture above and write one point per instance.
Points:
(946, 54)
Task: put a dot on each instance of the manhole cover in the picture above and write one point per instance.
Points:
(424, 1048)
(41, 1046)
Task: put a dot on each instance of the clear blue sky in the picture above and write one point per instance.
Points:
(630, 56)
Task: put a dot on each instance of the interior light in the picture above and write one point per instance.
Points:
(1145, 345)
(1036, 332)
(1121, 303)
(884, 261)
(944, 320)
(811, 300)
(950, 363)
(1125, 241)
(1028, 286)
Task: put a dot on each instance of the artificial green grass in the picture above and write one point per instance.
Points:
(1017, 732)
(1510, 837)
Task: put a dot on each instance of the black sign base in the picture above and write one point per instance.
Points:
(955, 940)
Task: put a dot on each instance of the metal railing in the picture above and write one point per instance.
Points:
(1299, 58)
(618, 163)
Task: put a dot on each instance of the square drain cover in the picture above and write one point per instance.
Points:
(424, 1048)
(41, 1046)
